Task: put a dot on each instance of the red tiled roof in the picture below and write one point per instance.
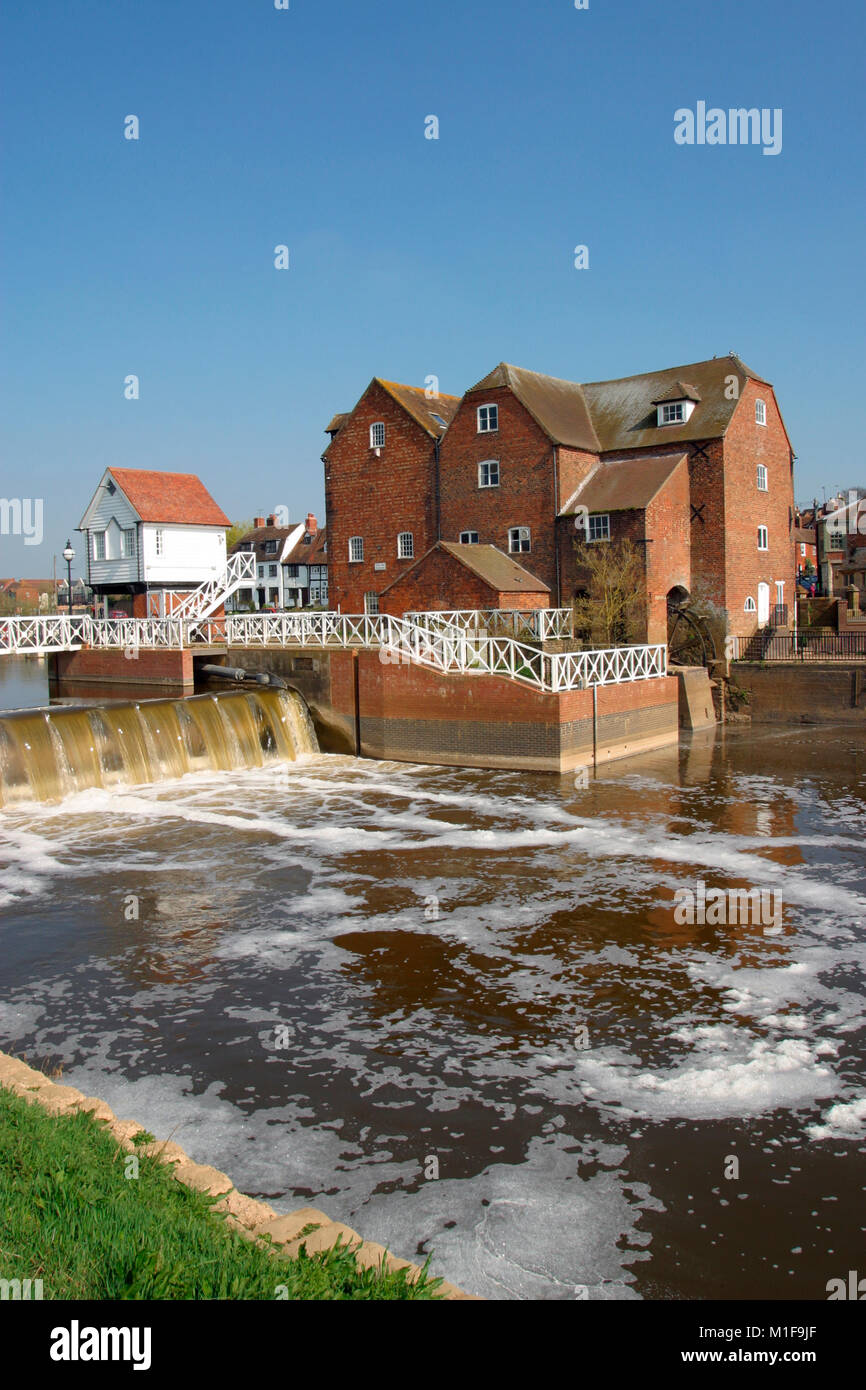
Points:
(174, 498)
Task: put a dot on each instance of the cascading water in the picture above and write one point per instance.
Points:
(49, 753)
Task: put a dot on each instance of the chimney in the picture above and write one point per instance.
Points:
(311, 524)
(272, 520)
(258, 521)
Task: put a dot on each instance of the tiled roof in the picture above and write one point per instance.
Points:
(680, 391)
(603, 416)
(259, 535)
(173, 498)
(558, 406)
(620, 485)
(422, 408)
(497, 569)
(314, 553)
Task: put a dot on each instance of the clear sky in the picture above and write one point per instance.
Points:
(408, 256)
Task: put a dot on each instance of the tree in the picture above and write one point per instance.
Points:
(610, 605)
(236, 532)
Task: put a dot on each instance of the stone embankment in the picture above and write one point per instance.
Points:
(252, 1219)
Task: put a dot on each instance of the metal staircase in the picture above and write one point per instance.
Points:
(240, 569)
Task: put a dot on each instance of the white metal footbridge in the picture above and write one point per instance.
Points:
(453, 642)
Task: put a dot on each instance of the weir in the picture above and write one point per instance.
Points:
(48, 754)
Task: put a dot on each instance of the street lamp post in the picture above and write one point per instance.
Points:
(69, 556)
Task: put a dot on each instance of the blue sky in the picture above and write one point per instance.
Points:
(409, 256)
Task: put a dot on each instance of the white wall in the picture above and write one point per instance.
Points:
(190, 554)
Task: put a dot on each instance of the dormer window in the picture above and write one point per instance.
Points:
(377, 435)
(676, 405)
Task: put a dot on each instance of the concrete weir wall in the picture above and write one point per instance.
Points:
(804, 692)
(413, 714)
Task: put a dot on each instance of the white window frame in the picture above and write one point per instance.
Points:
(763, 532)
(673, 413)
(356, 550)
(750, 606)
(488, 419)
(127, 543)
(603, 527)
(371, 604)
(519, 540)
(488, 464)
(468, 538)
(802, 548)
(761, 472)
(100, 545)
(406, 545)
(377, 434)
(760, 411)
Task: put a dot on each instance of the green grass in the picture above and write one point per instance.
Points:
(70, 1217)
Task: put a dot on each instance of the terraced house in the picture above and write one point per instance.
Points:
(692, 463)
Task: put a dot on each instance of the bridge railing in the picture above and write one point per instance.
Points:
(443, 647)
(537, 624)
(607, 666)
(55, 633)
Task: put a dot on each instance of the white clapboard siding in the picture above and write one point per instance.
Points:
(112, 514)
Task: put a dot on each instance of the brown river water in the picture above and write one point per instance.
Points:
(462, 1010)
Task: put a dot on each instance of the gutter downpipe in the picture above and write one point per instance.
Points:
(438, 490)
(556, 527)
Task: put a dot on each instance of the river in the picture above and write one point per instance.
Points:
(459, 1010)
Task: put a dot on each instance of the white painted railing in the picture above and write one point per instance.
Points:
(36, 635)
(536, 624)
(443, 647)
(607, 666)
(305, 629)
(240, 569)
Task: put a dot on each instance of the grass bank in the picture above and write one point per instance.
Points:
(71, 1217)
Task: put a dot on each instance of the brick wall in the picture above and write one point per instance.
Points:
(668, 552)
(441, 581)
(109, 666)
(376, 498)
(748, 444)
(525, 495)
(411, 713)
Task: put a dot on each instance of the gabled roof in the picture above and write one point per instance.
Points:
(624, 415)
(606, 416)
(285, 537)
(680, 391)
(558, 406)
(622, 485)
(422, 408)
(490, 564)
(434, 414)
(313, 552)
(179, 499)
(496, 568)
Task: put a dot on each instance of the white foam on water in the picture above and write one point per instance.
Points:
(844, 1120)
(756, 1075)
(535, 1230)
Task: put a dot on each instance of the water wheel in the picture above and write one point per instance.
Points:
(690, 642)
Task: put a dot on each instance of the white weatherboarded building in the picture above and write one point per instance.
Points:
(150, 539)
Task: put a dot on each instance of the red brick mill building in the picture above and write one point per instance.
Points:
(693, 463)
